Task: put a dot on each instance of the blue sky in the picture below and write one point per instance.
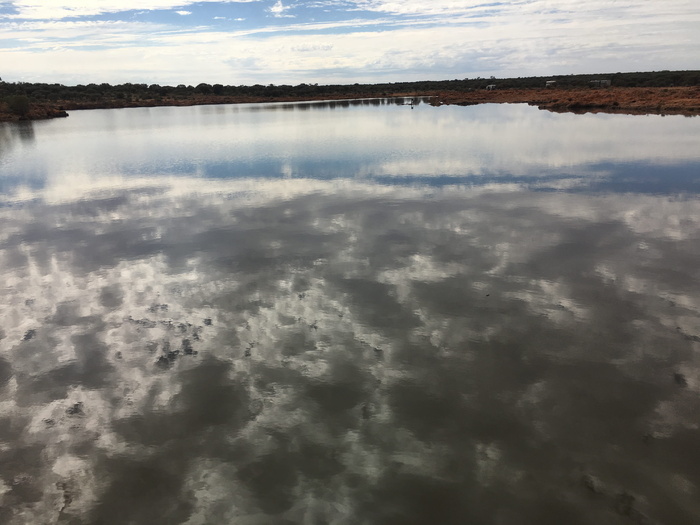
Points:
(339, 41)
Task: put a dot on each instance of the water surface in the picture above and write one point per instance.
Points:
(349, 313)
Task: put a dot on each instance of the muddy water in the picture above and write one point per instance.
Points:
(353, 313)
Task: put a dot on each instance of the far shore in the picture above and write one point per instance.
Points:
(625, 100)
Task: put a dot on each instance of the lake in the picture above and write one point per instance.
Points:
(355, 312)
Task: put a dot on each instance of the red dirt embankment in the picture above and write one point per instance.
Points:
(660, 101)
(59, 108)
(46, 110)
(36, 112)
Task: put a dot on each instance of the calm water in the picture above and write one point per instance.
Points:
(350, 313)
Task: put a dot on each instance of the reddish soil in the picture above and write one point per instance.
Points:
(36, 112)
(663, 101)
(60, 108)
(195, 100)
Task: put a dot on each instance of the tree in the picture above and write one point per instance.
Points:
(18, 104)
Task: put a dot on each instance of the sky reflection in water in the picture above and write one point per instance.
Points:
(180, 350)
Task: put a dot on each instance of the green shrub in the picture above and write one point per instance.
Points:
(18, 104)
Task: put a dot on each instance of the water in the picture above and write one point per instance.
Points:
(350, 313)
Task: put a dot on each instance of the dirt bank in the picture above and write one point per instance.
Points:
(661, 101)
(61, 107)
(36, 112)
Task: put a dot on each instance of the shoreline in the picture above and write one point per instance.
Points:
(625, 100)
(618, 100)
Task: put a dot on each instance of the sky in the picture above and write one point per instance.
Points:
(339, 41)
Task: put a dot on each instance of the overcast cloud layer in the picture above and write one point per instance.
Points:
(338, 41)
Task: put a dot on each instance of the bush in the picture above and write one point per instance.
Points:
(18, 104)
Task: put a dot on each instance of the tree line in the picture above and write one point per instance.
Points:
(17, 96)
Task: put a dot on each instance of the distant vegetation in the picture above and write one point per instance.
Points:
(18, 97)
(17, 104)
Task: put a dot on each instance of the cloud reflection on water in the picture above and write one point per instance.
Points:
(339, 140)
(340, 352)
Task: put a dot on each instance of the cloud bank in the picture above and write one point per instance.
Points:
(371, 40)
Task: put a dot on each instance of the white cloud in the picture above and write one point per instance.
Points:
(454, 50)
(575, 8)
(279, 10)
(46, 39)
(184, 13)
(518, 39)
(305, 48)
